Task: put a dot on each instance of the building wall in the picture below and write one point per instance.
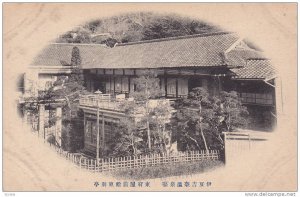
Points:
(90, 131)
(259, 98)
(255, 94)
(173, 85)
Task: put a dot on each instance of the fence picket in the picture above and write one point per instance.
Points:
(128, 162)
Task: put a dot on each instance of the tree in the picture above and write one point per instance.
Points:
(137, 26)
(76, 58)
(197, 98)
(127, 139)
(230, 109)
(65, 92)
(147, 87)
(69, 89)
(160, 118)
(209, 116)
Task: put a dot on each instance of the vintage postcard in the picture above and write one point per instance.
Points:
(150, 97)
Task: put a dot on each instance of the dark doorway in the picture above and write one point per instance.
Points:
(100, 85)
(194, 82)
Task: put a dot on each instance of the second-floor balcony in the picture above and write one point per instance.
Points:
(115, 102)
(257, 98)
(102, 101)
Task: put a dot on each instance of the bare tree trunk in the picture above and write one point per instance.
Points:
(164, 139)
(202, 134)
(132, 144)
(148, 134)
(170, 143)
(201, 129)
(147, 114)
(194, 140)
(228, 125)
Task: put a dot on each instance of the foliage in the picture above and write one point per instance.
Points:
(208, 116)
(135, 27)
(79, 35)
(73, 134)
(75, 59)
(65, 93)
(231, 110)
(147, 87)
(144, 129)
(69, 88)
(127, 139)
(51, 139)
(160, 123)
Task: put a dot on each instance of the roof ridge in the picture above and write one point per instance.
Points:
(258, 59)
(146, 41)
(79, 44)
(175, 38)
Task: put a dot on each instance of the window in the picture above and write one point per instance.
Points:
(94, 133)
(88, 131)
(162, 86)
(125, 85)
(129, 72)
(182, 87)
(107, 86)
(112, 85)
(118, 84)
(132, 85)
(108, 131)
(171, 87)
(118, 71)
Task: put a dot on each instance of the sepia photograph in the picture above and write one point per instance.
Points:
(150, 97)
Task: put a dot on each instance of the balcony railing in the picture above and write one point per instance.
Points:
(256, 98)
(103, 101)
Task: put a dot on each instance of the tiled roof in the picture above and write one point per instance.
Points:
(239, 57)
(60, 53)
(192, 51)
(186, 51)
(255, 69)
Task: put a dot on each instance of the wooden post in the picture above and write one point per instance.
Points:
(165, 83)
(278, 101)
(225, 148)
(58, 125)
(41, 130)
(176, 84)
(80, 163)
(98, 132)
(103, 134)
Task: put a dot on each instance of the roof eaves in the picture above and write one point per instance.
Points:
(245, 79)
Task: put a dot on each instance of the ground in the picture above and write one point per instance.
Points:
(30, 165)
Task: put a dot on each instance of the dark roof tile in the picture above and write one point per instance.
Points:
(255, 69)
(189, 51)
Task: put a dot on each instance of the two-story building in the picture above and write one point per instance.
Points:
(216, 61)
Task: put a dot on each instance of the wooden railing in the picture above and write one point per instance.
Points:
(103, 101)
(257, 98)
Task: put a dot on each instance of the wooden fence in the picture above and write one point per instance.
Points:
(122, 163)
(240, 143)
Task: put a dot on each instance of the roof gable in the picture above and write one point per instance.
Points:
(255, 69)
